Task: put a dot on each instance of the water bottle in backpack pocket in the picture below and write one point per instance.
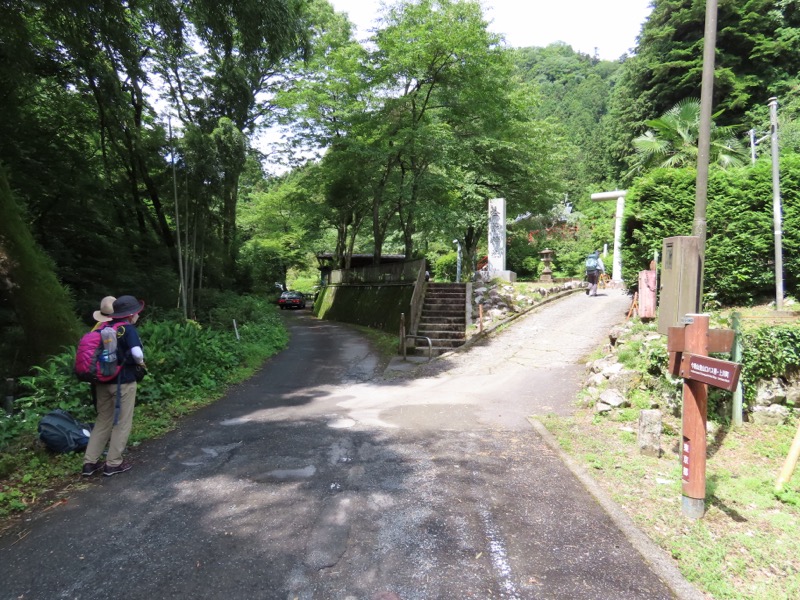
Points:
(108, 355)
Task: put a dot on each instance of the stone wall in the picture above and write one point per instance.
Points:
(609, 383)
(371, 305)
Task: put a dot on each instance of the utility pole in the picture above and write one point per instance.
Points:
(776, 203)
(704, 138)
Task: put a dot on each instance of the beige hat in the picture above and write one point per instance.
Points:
(106, 308)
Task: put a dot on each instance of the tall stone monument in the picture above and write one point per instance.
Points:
(497, 241)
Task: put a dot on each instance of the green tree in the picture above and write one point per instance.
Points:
(244, 47)
(575, 90)
(672, 141)
(756, 58)
(42, 305)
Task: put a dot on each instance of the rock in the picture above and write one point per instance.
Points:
(612, 369)
(593, 393)
(615, 334)
(770, 392)
(793, 395)
(595, 380)
(602, 408)
(614, 399)
(625, 380)
(599, 365)
(770, 415)
(650, 433)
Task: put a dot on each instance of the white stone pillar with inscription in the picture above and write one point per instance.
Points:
(497, 240)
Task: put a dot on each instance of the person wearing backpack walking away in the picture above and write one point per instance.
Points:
(594, 267)
(116, 399)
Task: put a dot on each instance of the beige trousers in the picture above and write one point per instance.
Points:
(105, 431)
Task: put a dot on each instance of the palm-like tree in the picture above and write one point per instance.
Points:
(671, 141)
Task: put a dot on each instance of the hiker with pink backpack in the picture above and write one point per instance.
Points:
(111, 358)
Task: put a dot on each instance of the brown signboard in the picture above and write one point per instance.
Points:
(719, 340)
(713, 371)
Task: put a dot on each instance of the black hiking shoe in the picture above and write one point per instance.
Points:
(92, 468)
(108, 470)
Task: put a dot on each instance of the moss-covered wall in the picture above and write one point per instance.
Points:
(372, 305)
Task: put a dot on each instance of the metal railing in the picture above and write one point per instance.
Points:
(420, 337)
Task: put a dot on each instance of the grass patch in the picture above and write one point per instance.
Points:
(386, 344)
(748, 543)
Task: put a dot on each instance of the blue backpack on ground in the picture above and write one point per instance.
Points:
(62, 433)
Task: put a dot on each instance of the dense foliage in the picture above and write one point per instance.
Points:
(135, 156)
(769, 352)
(740, 243)
(184, 359)
(756, 58)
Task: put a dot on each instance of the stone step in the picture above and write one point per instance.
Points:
(455, 316)
(439, 326)
(435, 334)
(443, 319)
(451, 320)
(446, 294)
(445, 300)
(454, 308)
(437, 347)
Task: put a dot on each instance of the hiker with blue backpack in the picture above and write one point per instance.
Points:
(594, 267)
(111, 357)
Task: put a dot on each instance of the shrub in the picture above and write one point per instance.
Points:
(184, 359)
(767, 352)
(444, 267)
(739, 242)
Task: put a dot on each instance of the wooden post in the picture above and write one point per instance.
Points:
(790, 463)
(695, 407)
(648, 294)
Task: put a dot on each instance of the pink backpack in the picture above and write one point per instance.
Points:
(97, 359)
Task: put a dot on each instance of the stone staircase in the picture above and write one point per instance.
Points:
(443, 318)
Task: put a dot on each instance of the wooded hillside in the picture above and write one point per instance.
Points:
(134, 155)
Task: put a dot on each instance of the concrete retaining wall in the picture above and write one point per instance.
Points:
(373, 305)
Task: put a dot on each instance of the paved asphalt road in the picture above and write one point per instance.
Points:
(321, 479)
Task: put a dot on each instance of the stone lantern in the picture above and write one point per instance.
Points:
(547, 258)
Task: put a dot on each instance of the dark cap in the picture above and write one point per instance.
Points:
(126, 306)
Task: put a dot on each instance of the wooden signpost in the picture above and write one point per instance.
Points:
(689, 347)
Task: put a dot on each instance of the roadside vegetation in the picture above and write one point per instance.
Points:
(394, 146)
(748, 543)
(190, 364)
